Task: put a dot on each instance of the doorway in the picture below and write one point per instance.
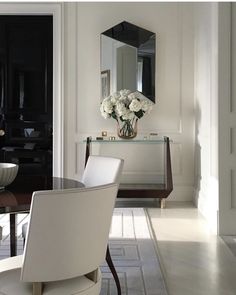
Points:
(26, 129)
(56, 11)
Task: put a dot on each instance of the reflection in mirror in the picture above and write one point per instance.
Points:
(128, 55)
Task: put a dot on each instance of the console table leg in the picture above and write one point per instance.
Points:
(113, 270)
(162, 203)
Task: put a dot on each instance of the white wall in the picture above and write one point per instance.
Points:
(227, 118)
(206, 110)
(173, 114)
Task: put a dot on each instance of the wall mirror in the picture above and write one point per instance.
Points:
(128, 60)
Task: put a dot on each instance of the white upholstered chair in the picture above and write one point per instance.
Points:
(102, 170)
(65, 244)
(99, 170)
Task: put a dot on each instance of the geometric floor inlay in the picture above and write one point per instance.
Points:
(132, 249)
(134, 255)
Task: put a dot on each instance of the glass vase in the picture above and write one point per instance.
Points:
(127, 129)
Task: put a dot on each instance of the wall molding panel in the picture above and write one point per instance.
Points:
(206, 111)
(227, 119)
(232, 184)
(173, 113)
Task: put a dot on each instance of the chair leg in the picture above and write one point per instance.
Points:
(37, 288)
(113, 270)
(13, 240)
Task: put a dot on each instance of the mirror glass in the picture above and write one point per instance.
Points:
(128, 60)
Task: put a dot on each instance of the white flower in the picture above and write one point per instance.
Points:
(146, 105)
(116, 95)
(128, 115)
(131, 96)
(135, 105)
(108, 106)
(114, 100)
(124, 104)
(105, 115)
(125, 92)
(122, 98)
(120, 108)
(108, 98)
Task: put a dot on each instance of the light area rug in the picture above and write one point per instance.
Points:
(134, 255)
(132, 249)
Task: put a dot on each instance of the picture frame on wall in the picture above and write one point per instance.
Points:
(105, 83)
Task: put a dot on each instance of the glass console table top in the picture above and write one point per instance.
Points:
(155, 141)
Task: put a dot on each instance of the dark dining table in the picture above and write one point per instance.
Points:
(16, 198)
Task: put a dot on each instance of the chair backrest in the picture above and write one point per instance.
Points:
(101, 170)
(68, 232)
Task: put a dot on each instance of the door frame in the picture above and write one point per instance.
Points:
(227, 119)
(56, 10)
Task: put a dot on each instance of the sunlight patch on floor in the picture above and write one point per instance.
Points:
(124, 224)
(194, 260)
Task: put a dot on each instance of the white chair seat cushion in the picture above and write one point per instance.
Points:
(79, 285)
(11, 263)
(10, 283)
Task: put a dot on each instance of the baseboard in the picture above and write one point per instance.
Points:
(181, 193)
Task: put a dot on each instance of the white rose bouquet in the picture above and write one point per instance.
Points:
(126, 108)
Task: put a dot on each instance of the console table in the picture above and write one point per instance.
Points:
(142, 190)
